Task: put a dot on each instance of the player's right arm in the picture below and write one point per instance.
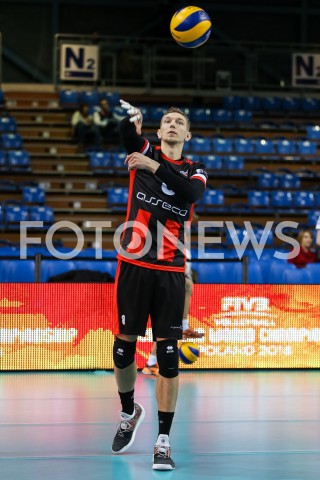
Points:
(130, 130)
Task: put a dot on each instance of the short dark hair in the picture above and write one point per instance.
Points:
(177, 110)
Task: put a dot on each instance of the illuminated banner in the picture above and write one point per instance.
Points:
(69, 326)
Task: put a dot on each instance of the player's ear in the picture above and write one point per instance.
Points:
(159, 133)
(188, 137)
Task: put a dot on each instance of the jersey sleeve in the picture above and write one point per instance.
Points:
(131, 141)
(198, 172)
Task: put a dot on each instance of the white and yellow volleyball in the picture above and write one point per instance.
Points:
(190, 27)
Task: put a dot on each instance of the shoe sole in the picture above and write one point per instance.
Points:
(162, 467)
(143, 413)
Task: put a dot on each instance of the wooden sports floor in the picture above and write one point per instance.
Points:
(232, 425)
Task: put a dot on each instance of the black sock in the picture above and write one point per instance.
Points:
(127, 402)
(165, 422)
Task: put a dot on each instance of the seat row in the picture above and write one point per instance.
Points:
(271, 103)
(12, 215)
(17, 160)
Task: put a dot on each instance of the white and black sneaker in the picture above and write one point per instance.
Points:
(162, 454)
(127, 429)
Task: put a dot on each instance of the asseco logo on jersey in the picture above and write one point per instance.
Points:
(158, 202)
(166, 190)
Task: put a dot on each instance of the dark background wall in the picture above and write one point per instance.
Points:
(28, 26)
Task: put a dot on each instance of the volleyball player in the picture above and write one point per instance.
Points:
(163, 188)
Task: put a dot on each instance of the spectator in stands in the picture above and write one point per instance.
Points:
(84, 130)
(106, 121)
(306, 254)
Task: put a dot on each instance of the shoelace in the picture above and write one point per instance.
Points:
(123, 427)
(162, 451)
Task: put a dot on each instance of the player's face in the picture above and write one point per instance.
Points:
(174, 128)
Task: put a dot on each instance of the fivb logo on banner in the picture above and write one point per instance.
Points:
(79, 62)
(306, 70)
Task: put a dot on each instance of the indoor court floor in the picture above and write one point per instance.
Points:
(231, 425)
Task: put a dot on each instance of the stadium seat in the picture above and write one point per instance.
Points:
(118, 199)
(118, 159)
(1, 216)
(296, 276)
(33, 195)
(303, 199)
(218, 272)
(2, 99)
(257, 198)
(317, 199)
(50, 268)
(96, 265)
(254, 272)
(290, 104)
(313, 132)
(242, 116)
(201, 115)
(251, 103)
(69, 98)
(18, 160)
(259, 232)
(305, 147)
(313, 218)
(233, 162)
(3, 161)
(213, 198)
(100, 161)
(313, 270)
(11, 140)
(113, 98)
(271, 104)
(281, 199)
(236, 236)
(286, 147)
(310, 104)
(288, 180)
(221, 116)
(157, 113)
(7, 125)
(193, 157)
(90, 97)
(243, 145)
(231, 102)
(264, 146)
(145, 113)
(17, 270)
(222, 145)
(267, 180)
(200, 144)
(14, 214)
(212, 161)
(276, 270)
(44, 214)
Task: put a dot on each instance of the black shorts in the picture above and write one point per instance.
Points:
(142, 292)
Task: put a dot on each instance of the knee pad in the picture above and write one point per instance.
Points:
(168, 358)
(123, 353)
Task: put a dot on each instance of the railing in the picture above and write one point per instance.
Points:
(153, 64)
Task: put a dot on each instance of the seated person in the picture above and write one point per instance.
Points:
(84, 131)
(306, 254)
(106, 121)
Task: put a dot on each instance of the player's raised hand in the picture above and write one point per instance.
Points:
(135, 115)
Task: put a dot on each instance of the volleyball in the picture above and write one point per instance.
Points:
(188, 353)
(190, 27)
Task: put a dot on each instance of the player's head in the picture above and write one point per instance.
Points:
(174, 127)
(305, 238)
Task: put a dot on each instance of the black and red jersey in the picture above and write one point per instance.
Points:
(160, 206)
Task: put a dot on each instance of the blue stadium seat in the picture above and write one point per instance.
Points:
(7, 125)
(113, 98)
(313, 270)
(1, 216)
(157, 113)
(218, 272)
(276, 270)
(69, 98)
(146, 113)
(43, 213)
(33, 195)
(251, 103)
(221, 116)
(305, 147)
(235, 237)
(212, 161)
(193, 157)
(90, 97)
(259, 232)
(313, 132)
(231, 102)
(100, 161)
(2, 99)
(281, 199)
(17, 270)
(271, 104)
(255, 272)
(233, 162)
(317, 199)
(118, 159)
(213, 197)
(3, 161)
(313, 218)
(258, 198)
(14, 214)
(222, 145)
(310, 104)
(18, 160)
(303, 199)
(11, 140)
(201, 115)
(296, 276)
(288, 180)
(263, 145)
(242, 116)
(96, 265)
(267, 180)
(286, 147)
(200, 144)
(50, 268)
(118, 198)
(290, 104)
(243, 145)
